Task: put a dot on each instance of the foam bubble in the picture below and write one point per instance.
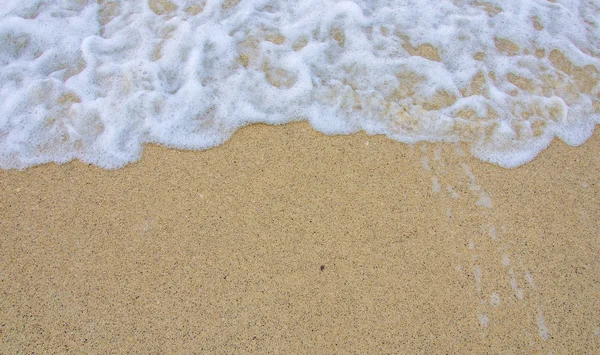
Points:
(97, 80)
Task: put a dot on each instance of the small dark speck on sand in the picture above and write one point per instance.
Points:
(322, 267)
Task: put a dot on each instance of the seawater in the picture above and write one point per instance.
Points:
(96, 80)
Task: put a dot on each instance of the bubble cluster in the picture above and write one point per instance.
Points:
(96, 80)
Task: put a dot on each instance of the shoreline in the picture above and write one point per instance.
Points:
(283, 239)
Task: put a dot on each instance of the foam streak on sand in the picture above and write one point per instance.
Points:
(98, 80)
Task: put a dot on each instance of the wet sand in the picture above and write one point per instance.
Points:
(286, 240)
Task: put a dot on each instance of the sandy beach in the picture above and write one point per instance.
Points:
(284, 240)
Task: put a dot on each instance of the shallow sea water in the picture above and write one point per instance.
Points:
(97, 80)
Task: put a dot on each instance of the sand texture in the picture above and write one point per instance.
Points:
(286, 240)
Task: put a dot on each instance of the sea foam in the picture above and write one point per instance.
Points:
(97, 80)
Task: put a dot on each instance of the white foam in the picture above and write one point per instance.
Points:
(493, 233)
(505, 260)
(452, 192)
(96, 82)
(484, 320)
(542, 328)
(435, 184)
(495, 299)
(484, 200)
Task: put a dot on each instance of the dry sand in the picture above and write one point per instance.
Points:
(285, 240)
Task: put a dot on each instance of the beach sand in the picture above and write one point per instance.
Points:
(286, 240)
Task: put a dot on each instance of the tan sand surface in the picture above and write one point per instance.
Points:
(285, 240)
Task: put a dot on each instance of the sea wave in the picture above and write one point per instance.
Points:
(95, 81)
